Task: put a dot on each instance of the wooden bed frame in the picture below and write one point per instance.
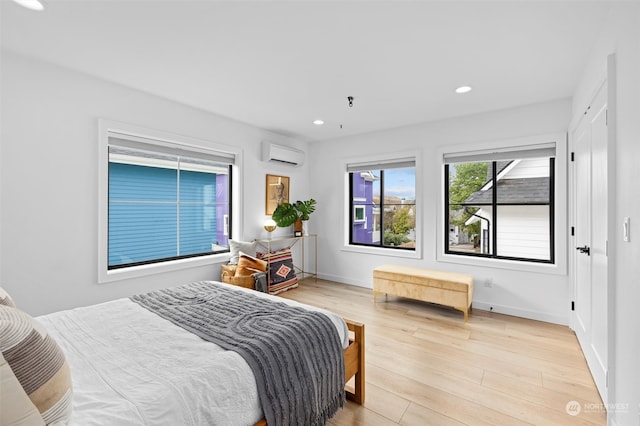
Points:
(354, 362)
(353, 365)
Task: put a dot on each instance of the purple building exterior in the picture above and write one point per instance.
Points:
(365, 214)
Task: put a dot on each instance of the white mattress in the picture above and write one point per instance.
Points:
(131, 367)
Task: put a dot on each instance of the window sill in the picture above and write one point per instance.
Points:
(381, 251)
(158, 268)
(541, 268)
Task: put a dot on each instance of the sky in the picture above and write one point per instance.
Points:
(400, 183)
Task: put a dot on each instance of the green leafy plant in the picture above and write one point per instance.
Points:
(391, 239)
(286, 213)
(305, 208)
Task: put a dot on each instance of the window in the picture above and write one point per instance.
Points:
(359, 214)
(500, 204)
(383, 204)
(161, 201)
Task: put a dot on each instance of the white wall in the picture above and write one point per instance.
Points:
(621, 36)
(533, 295)
(49, 175)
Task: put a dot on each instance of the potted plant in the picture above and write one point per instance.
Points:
(305, 208)
(287, 214)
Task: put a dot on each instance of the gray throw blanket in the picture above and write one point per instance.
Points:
(260, 282)
(295, 354)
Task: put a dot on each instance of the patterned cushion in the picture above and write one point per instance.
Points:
(38, 364)
(248, 265)
(5, 299)
(240, 246)
(282, 274)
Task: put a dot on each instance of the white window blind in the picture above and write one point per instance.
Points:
(169, 148)
(498, 154)
(381, 165)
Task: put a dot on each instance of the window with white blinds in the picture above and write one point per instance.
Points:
(166, 201)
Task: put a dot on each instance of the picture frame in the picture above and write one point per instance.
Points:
(276, 192)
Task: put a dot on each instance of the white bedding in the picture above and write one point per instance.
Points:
(131, 367)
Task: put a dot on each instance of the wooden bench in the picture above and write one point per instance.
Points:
(444, 288)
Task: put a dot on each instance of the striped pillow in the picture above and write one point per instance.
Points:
(5, 299)
(38, 364)
(282, 274)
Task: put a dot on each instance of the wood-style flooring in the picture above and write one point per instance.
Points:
(425, 366)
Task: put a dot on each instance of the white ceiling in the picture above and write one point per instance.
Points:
(279, 65)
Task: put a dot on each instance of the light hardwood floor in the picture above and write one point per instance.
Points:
(425, 366)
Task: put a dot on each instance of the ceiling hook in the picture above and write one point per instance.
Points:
(350, 99)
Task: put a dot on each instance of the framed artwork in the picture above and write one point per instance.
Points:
(276, 192)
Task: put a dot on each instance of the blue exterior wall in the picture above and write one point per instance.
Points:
(197, 212)
(146, 219)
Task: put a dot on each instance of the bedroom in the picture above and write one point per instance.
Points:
(49, 210)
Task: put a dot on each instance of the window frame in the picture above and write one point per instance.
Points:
(560, 206)
(107, 129)
(411, 253)
(494, 219)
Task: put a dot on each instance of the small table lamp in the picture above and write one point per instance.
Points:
(270, 226)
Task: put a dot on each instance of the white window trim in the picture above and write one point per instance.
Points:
(560, 213)
(383, 251)
(105, 127)
(355, 215)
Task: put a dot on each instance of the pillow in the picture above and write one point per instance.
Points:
(237, 246)
(248, 265)
(282, 274)
(17, 408)
(5, 299)
(39, 367)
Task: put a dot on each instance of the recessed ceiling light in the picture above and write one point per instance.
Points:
(463, 89)
(318, 122)
(30, 4)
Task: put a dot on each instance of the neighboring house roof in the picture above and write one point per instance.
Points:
(533, 190)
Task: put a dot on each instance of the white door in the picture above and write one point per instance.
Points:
(590, 186)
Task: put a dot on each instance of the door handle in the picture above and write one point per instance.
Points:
(584, 249)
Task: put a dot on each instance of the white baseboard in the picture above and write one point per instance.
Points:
(485, 306)
(522, 313)
(343, 280)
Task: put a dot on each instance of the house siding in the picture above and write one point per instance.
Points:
(528, 168)
(150, 219)
(363, 196)
(523, 231)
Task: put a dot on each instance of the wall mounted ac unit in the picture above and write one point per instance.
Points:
(282, 154)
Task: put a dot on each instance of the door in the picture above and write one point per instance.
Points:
(590, 275)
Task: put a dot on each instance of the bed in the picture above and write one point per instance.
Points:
(132, 363)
